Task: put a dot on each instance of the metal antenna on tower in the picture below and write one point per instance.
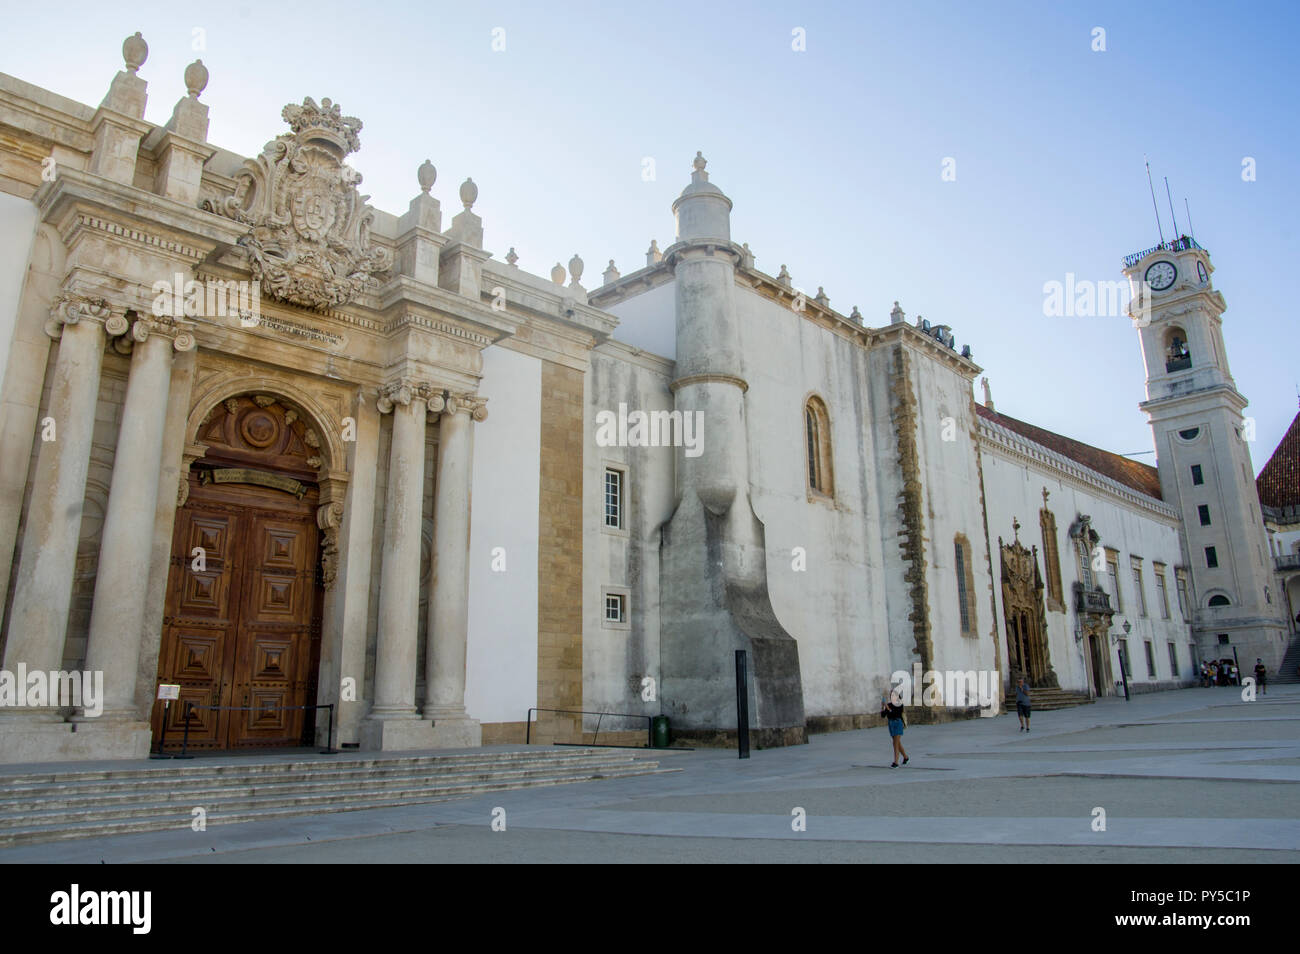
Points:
(1189, 218)
(1155, 207)
(1170, 196)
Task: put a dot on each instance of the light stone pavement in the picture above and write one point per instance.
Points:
(1193, 775)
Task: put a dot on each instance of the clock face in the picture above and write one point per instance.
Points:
(1161, 275)
(1202, 273)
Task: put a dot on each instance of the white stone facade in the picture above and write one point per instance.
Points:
(434, 421)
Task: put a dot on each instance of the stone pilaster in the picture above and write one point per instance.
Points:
(118, 611)
(448, 628)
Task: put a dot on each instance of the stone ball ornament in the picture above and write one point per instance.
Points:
(427, 175)
(196, 78)
(468, 193)
(134, 52)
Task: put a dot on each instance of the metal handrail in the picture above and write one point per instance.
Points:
(528, 729)
(1180, 244)
(191, 707)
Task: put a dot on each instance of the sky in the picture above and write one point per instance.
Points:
(834, 154)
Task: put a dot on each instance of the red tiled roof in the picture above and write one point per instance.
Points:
(1279, 482)
(1143, 478)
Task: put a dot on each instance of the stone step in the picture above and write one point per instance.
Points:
(1049, 700)
(296, 773)
(74, 803)
(161, 791)
(31, 831)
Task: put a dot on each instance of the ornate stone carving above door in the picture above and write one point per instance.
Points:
(310, 240)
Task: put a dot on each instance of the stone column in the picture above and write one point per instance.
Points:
(399, 587)
(43, 587)
(448, 628)
(118, 612)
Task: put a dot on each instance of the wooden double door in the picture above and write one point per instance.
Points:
(241, 631)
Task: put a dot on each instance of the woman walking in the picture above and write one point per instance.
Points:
(891, 707)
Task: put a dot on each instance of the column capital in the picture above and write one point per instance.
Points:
(70, 308)
(401, 393)
(459, 403)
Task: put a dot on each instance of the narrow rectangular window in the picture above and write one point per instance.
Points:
(1182, 597)
(1197, 478)
(961, 588)
(1173, 660)
(615, 608)
(1113, 569)
(1211, 557)
(614, 498)
(1203, 511)
(1151, 661)
(1164, 595)
(1141, 592)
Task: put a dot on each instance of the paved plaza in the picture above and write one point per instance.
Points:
(1193, 775)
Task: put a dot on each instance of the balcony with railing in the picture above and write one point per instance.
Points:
(1180, 244)
(1092, 599)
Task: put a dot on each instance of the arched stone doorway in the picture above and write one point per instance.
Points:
(242, 624)
(1024, 616)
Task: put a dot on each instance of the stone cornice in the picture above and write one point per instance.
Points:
(1188, 397)
(998, 439)
(633, 355)
(918, 339)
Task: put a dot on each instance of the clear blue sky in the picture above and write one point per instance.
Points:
(832, 155)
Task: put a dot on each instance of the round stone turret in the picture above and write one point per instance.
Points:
(702, 211)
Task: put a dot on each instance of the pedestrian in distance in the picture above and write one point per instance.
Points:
(1022, 704)
(891, 707)
(1261, 673)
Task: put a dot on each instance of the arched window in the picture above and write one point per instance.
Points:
(1177, 355)
(817, 441)
(1219, 600)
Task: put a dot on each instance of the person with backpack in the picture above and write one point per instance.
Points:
(891, 707)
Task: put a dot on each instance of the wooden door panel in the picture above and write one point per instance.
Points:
(271, 667)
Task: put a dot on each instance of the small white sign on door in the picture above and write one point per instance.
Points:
(166, 691)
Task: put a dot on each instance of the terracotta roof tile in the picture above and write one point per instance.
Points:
(1141, 477)
(1279, 482)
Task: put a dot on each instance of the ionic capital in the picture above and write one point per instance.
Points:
(70, 308)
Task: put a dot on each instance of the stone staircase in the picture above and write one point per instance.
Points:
(1046, 700)
(1286, 673)
(50, 804)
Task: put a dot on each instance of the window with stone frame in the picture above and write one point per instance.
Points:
(1138, 587)
(1051, 560)
(1151, 660)
(965, 584)
(1180, 582)
(1112, 570)
(614, 498)
(817, 448)
(1173, 659)
(1161, 589)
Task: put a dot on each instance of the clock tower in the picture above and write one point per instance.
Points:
(1203, 454)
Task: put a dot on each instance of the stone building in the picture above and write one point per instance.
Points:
(281, 449)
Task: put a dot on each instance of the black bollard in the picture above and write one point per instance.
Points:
(742, 704)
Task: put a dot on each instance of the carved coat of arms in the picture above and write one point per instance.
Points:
(309, 241)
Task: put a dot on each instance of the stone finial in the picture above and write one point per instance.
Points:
(988, 394)
(922, 323)
(652, 255)
(134, 52)
(611, 274)
(746, 256)
(698, 165)
(427, 175)
(896, 315)
(856, 315)
(557, 274)
(196, 78)
(468, 192)
(784, 277)
(965, 351)
(821, 298)
(575, 268)
(511, 258)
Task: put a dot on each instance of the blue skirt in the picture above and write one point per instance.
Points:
(895, 727)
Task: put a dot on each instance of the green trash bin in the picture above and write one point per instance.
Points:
(659, 732)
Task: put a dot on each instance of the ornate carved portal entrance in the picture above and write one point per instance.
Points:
(242, 620)
(1024, 616)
